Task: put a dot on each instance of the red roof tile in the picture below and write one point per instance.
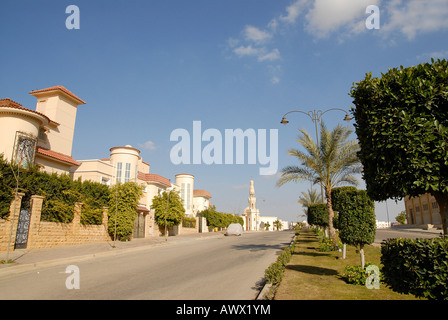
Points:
(150, 177)
(201, 193)
(57, 156)
(8, 103)
(61, 88)
(142, 208)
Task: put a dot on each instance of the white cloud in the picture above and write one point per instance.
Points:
(149, 145)
(247, 51)
(271, 56)
(275, 80)
(435, 55)
(254, 34)
(415, 16)
(294, 10)
(345, 16)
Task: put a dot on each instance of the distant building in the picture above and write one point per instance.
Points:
(251, 215)
(422, 211)
(382, 224)
(252, 219)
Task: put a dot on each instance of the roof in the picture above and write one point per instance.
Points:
(201, 193)
(184, 174)
(8, 103)
(142, 208)
(59, 88)
(57, 156)
(150, 177)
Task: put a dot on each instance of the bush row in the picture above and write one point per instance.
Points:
(60, 193)
(417, 266)
(274, 273)
(217, 219)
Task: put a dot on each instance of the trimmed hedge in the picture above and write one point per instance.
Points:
(217, 219)
(274, 273)
(417, 266)
(60, 193)
(318, 215)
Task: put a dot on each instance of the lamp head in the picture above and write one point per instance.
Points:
(284, 121)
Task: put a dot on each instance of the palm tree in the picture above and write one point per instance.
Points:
(332, 163)
(310, 197)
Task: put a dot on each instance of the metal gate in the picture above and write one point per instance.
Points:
(139, 227)
(200, 223)
(23, 227)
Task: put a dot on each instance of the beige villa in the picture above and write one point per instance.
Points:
(124, 165)
(45, 137)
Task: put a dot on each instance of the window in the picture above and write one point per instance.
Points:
(188, 196)
(182, 193)
(25, 149)
(127, 173)
(434, 205)
(119, 168)
(425, 207)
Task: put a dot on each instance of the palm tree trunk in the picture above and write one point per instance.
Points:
(330, 211)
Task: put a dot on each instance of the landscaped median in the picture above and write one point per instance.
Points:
(315, 275)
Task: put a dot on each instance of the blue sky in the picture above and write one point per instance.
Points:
(146, 68)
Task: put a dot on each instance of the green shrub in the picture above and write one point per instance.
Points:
(356, 274)
(60, 193)
(318, 215)
(124, 197)
(188, 222)
(326, 244)
(274, 273)
(417, 266)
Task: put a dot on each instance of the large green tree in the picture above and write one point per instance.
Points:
(123, 203)
(331, 163)
(169, 209)
(402, 127)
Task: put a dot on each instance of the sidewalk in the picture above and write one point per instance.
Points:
(29, 258)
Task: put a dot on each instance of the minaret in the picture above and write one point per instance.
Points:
(252, 199)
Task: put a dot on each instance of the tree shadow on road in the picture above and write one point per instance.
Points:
(259, 247)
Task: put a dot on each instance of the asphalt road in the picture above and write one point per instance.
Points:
(383, 234)
(224, 268)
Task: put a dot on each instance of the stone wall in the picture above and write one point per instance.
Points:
(44, 234)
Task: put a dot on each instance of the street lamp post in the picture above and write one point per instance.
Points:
(316, 115)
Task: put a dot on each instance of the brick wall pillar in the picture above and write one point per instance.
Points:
(36, 211)
(12, 222)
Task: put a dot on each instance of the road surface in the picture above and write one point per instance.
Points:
(222, 268)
